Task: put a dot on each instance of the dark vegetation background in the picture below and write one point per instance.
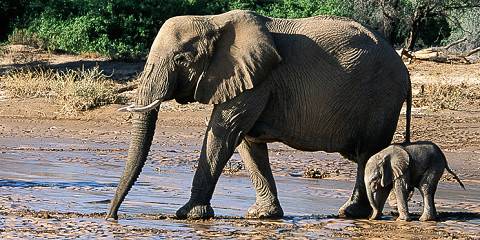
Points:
(126, 28)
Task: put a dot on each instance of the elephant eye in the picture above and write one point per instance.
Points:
(181, 58)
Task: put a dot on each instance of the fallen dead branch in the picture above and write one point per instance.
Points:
(473, 52)
(454, 43)
(440, 54)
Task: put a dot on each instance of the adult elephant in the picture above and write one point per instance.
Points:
(315, 84)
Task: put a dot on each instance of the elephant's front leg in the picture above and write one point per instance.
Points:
(401, 193)
(228, 123)
(255, 157)
(218, 147)
(215, 153)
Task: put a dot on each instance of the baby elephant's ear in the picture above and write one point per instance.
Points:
(395, 164)
(386, 171)
(399, 161)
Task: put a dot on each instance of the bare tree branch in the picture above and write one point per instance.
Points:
(455, 43)
(473, 52)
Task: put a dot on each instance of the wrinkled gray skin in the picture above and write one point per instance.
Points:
(316, 84)
(400, 169)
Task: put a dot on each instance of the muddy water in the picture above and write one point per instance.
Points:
(61, 187)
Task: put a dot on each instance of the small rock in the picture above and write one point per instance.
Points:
(315, 173)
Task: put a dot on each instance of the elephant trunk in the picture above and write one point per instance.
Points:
(373, 203)
(142, 136)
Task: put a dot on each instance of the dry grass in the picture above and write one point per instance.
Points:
(438, 96)
(24, 37)
(75, 90)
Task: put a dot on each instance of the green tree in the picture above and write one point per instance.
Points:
(427, 9)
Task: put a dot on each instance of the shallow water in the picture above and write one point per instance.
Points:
(61, 187)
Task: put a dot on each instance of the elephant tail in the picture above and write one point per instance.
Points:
(408, 114)
(451, 172)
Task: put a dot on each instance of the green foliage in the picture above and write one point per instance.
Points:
(126, 28)
(117, 28)
(78, 34)
(294, 8)
(284, 8)
(467, 25)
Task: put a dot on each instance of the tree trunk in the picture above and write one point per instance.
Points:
(390, 20)
(418, 17)
(389, 30)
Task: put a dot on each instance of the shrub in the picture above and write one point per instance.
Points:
(24, 37)
(307, 8)
(467, 24)
(121, 28)
(74, 90)
(126, 28)
(76, 35)
(31, 82)
(437, 96)
(86, 89)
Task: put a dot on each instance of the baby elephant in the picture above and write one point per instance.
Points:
(402, 167)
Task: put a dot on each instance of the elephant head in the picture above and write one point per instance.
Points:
(209, 59)
(382, 169)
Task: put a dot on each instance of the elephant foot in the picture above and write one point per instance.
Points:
(265, 210)
(375, 215)
(195, 211)
(355, 209)
(427, 217)
(404, 218)
(111, 217)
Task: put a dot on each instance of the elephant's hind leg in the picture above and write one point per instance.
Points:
(255, 157)
(357, 206)
(428, 187)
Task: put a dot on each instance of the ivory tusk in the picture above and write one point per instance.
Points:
(126, 109)
(133, 108)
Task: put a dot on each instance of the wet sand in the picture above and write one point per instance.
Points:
(58, 176)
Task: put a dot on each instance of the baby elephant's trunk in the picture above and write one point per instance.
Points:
(373, 203)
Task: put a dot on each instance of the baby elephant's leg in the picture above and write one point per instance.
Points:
(379, 199)
(428, 187)
(392, 199)
(401, 193)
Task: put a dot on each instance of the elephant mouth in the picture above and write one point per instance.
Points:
(134, 108)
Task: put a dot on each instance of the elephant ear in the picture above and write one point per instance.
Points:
(395, 165)
(386, 171)
(243, 56)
